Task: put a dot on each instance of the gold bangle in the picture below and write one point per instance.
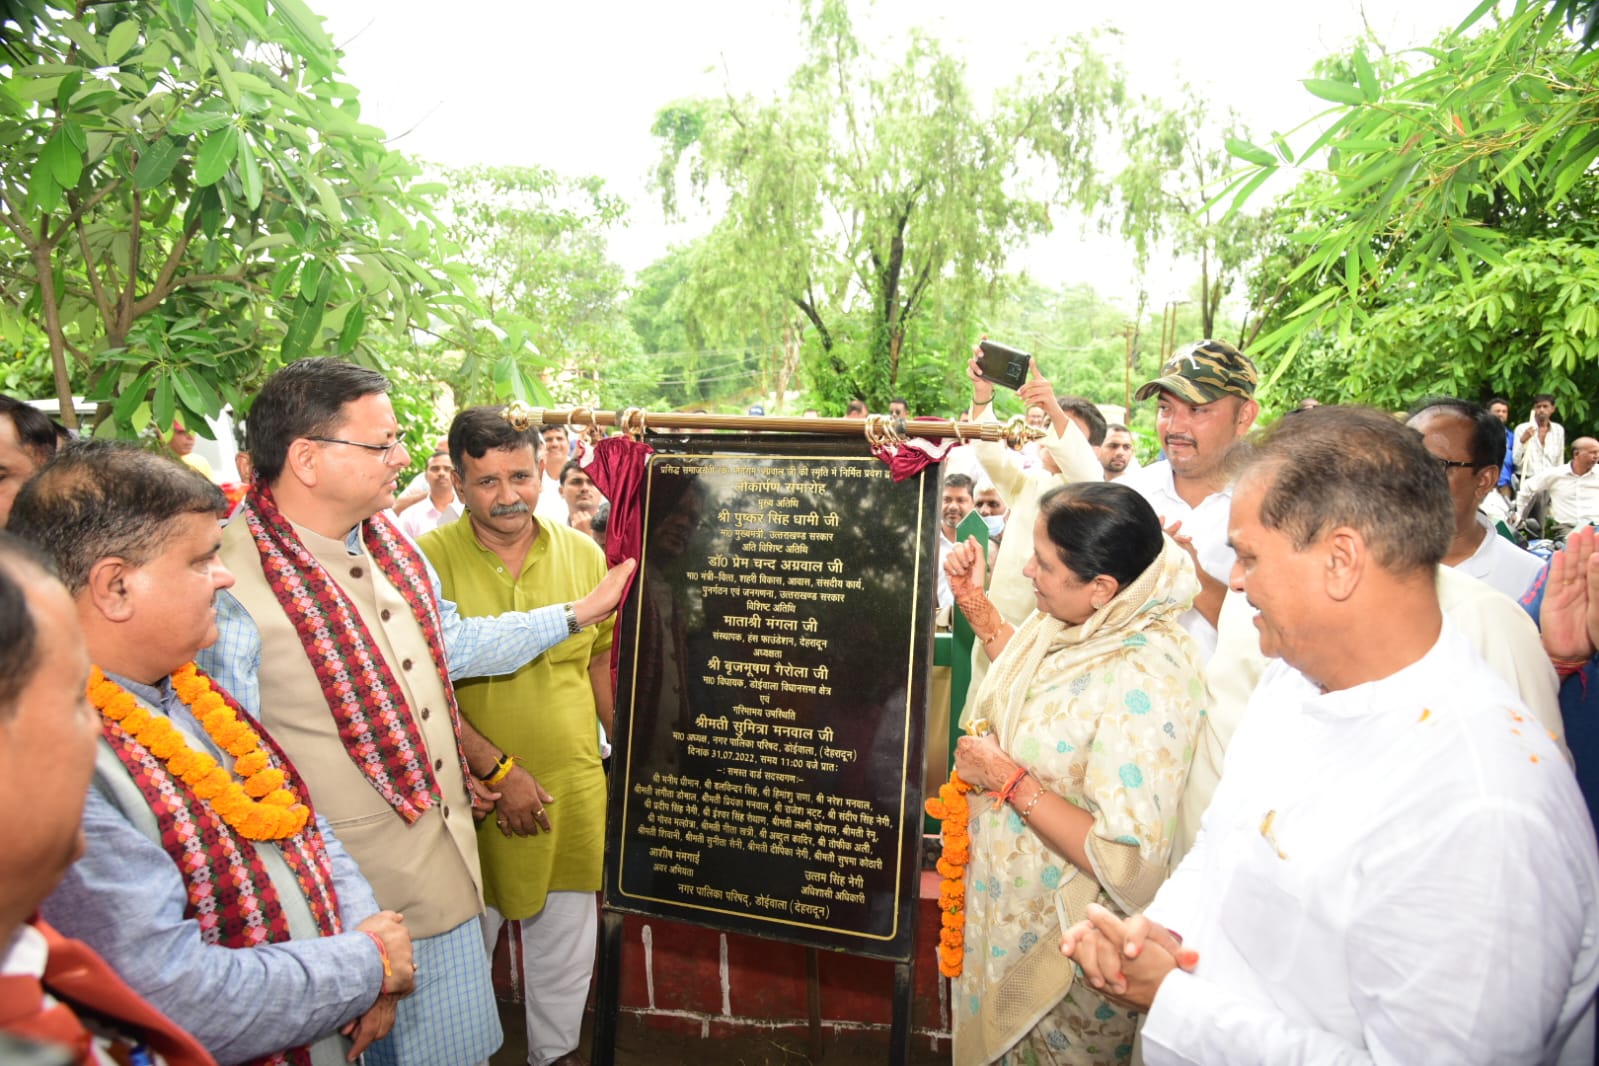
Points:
(1038, 794)
(995, 634)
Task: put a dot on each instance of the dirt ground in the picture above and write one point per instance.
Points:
(640, 1045)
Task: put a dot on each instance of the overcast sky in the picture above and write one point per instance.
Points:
(575, 86)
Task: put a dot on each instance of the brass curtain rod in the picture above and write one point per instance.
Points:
(877, 429)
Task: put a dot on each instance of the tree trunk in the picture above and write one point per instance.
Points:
(52, 330)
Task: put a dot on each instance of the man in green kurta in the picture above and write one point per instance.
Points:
(542, 850)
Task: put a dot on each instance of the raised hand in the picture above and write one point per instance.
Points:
(606, 595)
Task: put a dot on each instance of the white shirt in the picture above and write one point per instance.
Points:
(946, 595)
(1536, 455)
(1573, 497)
(1205, 524)
(1401, 872)
(1501, 564)
(420, 518)
(552, 504)
(1493, 623)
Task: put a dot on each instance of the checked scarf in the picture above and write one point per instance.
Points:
(375, 721)
(230, 895)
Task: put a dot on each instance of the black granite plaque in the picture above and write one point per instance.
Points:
(771, 694)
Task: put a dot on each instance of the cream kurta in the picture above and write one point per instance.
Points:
(1103, 714)
(427, 870)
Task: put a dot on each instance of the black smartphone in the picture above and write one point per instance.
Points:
(1003, 365)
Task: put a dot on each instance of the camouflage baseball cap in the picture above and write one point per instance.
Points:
(1203, 372)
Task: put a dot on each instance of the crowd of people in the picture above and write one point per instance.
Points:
(1323, 724)
(1274, 735)
(316, 793)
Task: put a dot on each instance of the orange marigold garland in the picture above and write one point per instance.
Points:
(260, 808)
(952, 809)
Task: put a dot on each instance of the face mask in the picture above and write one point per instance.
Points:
(995, 524)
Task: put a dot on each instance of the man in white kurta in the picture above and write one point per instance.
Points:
(1397, 866)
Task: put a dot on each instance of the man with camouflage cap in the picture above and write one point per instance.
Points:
(1206, 401)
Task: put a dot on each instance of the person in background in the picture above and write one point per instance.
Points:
(582, 498)
(1090, 712)
(51, 984)
(955, 504)
(27, 441)
(1351, 924)
(1117, 451)
(1499, 407)
(898, 408)
(441, 505)
(239, 916)
(1465, 439)
(991, 505)
(856, 409)
(1067, 456)
(181, 443)
(416, 490)
(1572, 490)
(600, 523)
(557, 449)
(1540, 442)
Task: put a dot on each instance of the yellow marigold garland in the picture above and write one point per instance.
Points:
(952, 809)
(259, 809)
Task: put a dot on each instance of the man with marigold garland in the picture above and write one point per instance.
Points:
(208, 882)
(336, 631)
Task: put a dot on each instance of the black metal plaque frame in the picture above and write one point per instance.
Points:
(700, 677)
(771, 701)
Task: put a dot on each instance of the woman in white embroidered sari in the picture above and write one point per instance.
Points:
(1093, 704)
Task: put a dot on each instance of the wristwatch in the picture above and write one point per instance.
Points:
(572, 628)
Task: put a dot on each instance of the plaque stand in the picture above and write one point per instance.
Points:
(608, 1001)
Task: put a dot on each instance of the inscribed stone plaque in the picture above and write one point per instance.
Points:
(771, 695)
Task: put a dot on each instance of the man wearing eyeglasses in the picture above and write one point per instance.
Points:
(1468, 443)
(337, 637)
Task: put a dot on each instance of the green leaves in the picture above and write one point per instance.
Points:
(209, 150)
(1250, 153)
(157, 161)
(217, 152)
(1439, 190)
(1337, 91)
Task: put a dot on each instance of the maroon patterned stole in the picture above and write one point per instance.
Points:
(230, 895)
(375, 721)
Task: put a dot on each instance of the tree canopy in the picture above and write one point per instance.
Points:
(1449, 243)
(871, 211)
(188, 198)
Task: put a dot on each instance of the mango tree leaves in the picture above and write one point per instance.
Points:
(176, 163)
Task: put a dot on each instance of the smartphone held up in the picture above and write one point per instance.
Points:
(1002, 365)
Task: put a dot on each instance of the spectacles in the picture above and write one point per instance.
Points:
(385, 451)
(1454, 464)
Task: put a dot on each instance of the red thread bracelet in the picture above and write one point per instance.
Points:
(1010, 787)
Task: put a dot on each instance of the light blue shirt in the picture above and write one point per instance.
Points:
(481, 646)
(125, 898)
